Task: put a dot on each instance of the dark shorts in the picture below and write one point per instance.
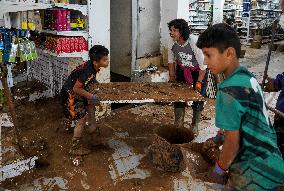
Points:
(279, 128)
(197, 105)
(74, 106)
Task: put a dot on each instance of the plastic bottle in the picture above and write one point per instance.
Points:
(68, 13)
(64, 19)
(59, 20)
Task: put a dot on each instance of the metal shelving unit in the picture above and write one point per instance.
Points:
(96, 32)
(261, 15)
(83, 55)
(200, 13)
(67, 33)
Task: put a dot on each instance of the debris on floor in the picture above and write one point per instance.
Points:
(131, 92)
(124, 164)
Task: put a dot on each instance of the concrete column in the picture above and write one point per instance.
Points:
(218, 6)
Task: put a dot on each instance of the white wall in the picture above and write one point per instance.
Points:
(121, 37)
(218, 7)
(171, 9)
(99, 31)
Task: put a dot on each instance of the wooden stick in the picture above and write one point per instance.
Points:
(269, 53)
(11, 108)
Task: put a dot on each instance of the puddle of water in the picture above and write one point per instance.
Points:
(207, 133)
(5, 120)
(121, 135)
(188, 183)
(17, 168)
(49, 184)
(125, 162)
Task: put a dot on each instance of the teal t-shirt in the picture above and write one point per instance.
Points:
(240, 106)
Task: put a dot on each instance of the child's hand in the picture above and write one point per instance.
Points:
(95, 100)
(269, 85)
(219, 175)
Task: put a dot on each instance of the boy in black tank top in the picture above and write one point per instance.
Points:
(77, 100)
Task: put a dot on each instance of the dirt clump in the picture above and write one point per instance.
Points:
(165, 156)
(209, 150)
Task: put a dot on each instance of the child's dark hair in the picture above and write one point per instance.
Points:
(220, 36)
(97, 52)
(182, 26)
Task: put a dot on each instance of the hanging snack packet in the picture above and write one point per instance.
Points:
(1, 48)
(37, 20)
(22, 51)
(33, 50)
(24, 20)
(31, 22)
(28, 50)
(13, 51)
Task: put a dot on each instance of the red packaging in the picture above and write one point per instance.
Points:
(66, 45)
(58, 45)
(68, 27)
(59, 20)
(80, 44)
(72, 45)
(48, 43)
(83, 46)
(53, 19)
(64, 19)
(76, 44)
(63, 44)
(68, 49)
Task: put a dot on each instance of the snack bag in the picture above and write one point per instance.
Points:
(33, 50)
(24, 20)
(13, 51)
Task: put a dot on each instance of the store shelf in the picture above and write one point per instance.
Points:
(200, 10)
(267, 10)
(67, 33)
(7, 7)
(82, 8)
(195, 24)
(229, 10)
(204, 2)
(83, 55)
(200, 27)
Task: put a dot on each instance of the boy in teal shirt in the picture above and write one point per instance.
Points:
(250, 157)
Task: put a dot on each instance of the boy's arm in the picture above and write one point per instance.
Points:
(171, 63)
(172, 75)
(201, 75)
(230, 149)
(78, 89)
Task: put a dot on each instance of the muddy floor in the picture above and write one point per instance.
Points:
(120, 163)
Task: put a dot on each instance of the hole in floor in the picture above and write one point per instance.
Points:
(175, 135)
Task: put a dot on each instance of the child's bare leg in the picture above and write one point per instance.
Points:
(77, 146)
(79, 128)
(96, 138)
(91, 119)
